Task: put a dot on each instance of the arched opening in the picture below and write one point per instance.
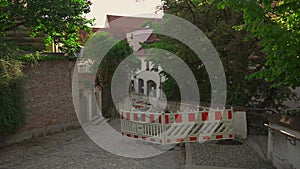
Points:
(141, 86)
(151, 88)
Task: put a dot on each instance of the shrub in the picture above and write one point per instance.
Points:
(12, 112)
(293, 112)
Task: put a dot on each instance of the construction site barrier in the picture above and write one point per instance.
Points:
(170, 128)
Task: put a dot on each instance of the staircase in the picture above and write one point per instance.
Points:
(21, 38)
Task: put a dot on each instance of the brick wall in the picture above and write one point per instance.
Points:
(49, 104)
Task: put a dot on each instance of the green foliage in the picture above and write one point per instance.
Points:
(293, 113)
(10, 71)
(37, 56)
(120, 50)
(12, 113)
(171, 89)
(30, 57)
(240, 57)
(58, 20)
(112, 60)
(29, 48)
(276, 24)
(98, 43)
(7, 49)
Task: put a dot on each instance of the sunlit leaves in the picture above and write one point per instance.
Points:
(58, 20)
(276, 24)
(239, 50)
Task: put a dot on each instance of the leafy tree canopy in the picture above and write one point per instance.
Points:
(58, 20)
(276, 24)
(240, 58)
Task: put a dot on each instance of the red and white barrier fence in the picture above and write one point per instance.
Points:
(170, 128)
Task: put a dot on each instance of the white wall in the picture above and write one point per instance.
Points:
(281, 153)
(100, 8)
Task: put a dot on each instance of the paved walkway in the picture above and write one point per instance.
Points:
(74, 149)
(224, 155)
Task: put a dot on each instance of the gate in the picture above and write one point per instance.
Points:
(169, 128)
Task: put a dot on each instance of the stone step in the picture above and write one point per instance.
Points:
(25, 39)
(97, 120)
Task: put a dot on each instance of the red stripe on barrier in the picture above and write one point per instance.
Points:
(128, 116)
(219, 136)
(122, 115)
(151, 118)
(230, 135)
(138, 106)
(193, 138)
(206, 137)
(144, 138)
(128, 135)
(178, 118)
(168, 141)
(160, 141)
(159, 119)
(143, 118)
(167, 119)
(205, 116)
(192, 117)
(218, 115)
(229, 114)
(152, 139)
(135, 116)
(179, 140)
(136, 136)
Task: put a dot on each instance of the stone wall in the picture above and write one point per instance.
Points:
(283, 151)
(49, 103)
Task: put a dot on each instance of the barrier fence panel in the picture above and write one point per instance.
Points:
(142, 126)
(170, 128)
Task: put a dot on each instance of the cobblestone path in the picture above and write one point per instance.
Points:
(74, 149)
(224, 154)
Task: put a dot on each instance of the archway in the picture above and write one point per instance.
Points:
(141, 86)
(151, 88)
